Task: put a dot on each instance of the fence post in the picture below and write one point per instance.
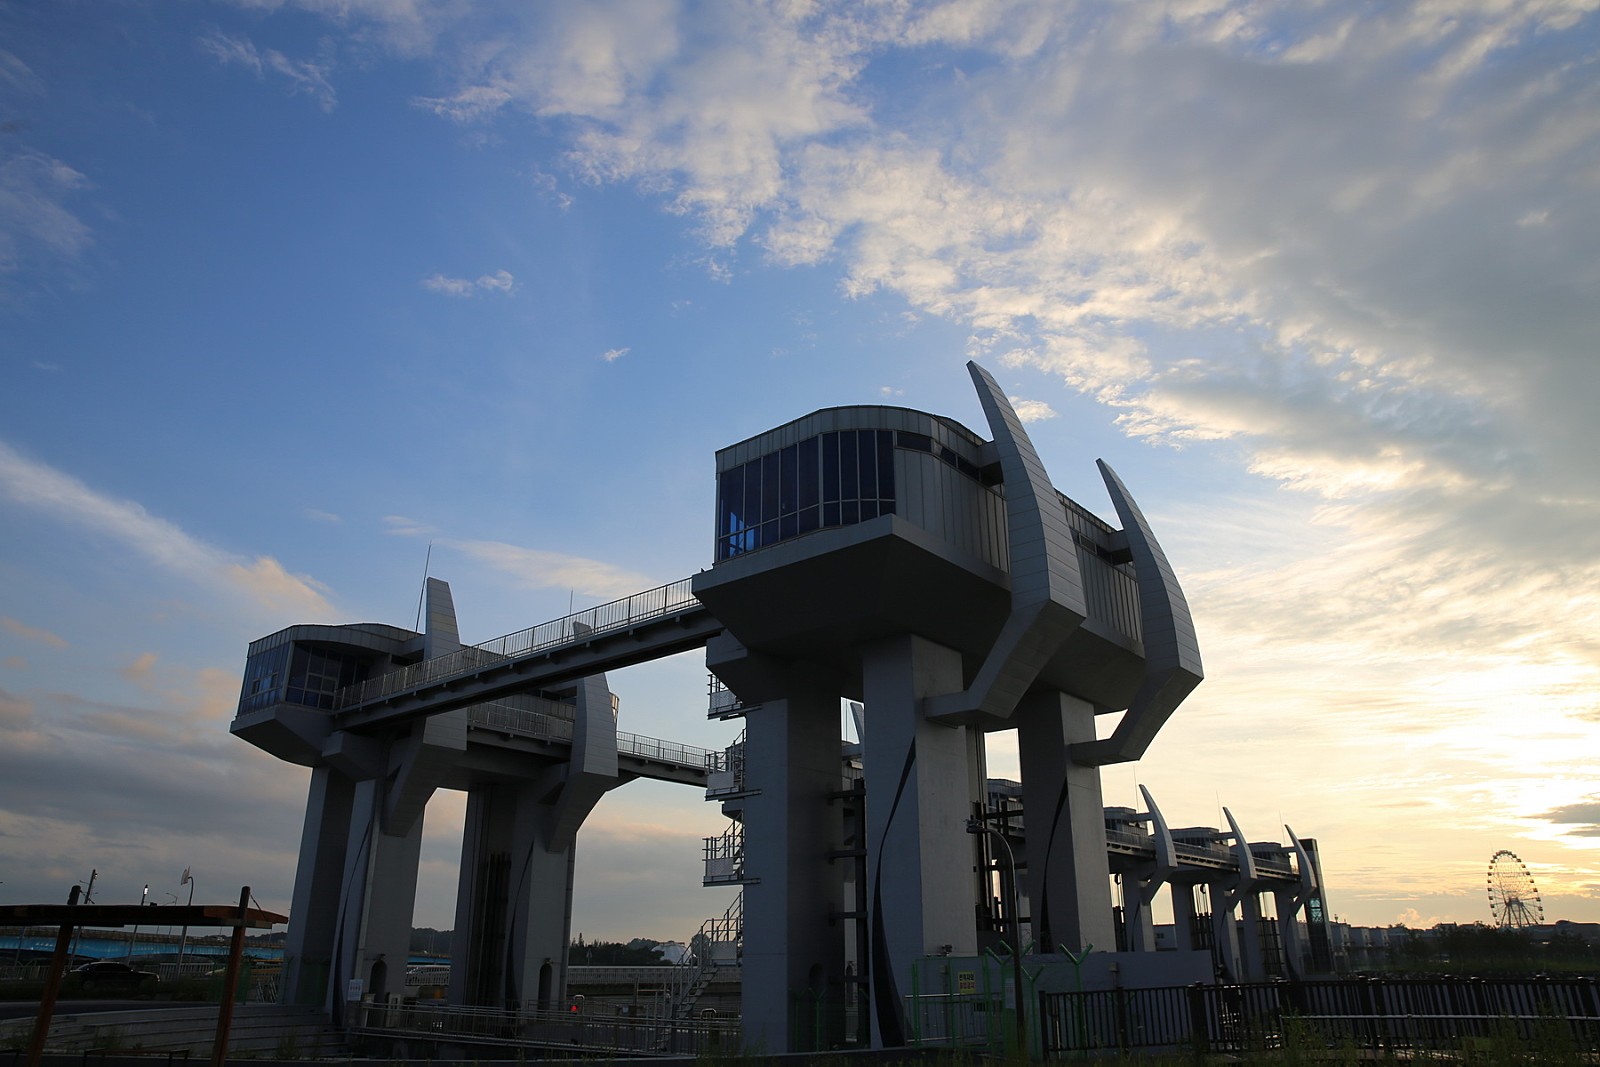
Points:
(1199, 1018)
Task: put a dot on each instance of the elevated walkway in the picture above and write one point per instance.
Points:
(635, 629)
(637, 755)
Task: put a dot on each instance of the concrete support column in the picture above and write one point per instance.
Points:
(1138, 896)
(1251, 945)
(793, 971)
(391, 898)
(513, 901)
(1183, 916)
(919, 855)
(1068, 875)
(377, 896)
(313, 925)
(1225, 931)
(1288, 907)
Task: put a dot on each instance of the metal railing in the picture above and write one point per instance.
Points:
(725, 770)
(659, 751)
(720, 943)
(1395, 1015)
(620, 614)
(563, 1029)
(548, 721)
(724, 856)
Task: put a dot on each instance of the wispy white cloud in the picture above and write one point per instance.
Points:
(539, 569)
(501, 281)
(305, 77)
(611, 355)
(263, 581)
(35, 221)
(1032, 410)
(32, 633)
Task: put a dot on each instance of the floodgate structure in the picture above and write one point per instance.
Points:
(878, 555)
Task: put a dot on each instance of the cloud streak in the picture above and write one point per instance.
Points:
(501, 281)
(262, 581)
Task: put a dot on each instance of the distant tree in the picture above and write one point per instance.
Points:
(636, 953)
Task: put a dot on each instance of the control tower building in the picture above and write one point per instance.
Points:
(896, 558)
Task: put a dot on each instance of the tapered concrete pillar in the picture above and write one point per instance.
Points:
(921, 891)
(379, 941)
(313, 925)
(512, 902)
(1183, 917)
(793, 973)
(1251, 943)
(1068, 876)
(1288, 908)
(1225, 932)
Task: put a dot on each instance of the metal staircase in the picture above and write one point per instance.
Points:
(718, 945)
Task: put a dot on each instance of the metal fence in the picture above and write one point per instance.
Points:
(567, 1030)
(1389, 1014)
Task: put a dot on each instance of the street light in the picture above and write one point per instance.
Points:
(183, 943)
(976, 827)
(133, 942)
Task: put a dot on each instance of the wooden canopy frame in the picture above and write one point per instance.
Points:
(71, 916)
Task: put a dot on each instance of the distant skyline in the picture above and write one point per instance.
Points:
(292, 289)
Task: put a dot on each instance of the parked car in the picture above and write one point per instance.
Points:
(114, 974)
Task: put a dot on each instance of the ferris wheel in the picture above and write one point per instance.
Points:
(1513, 898)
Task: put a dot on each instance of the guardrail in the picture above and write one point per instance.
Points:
(566, 1030)
(620, 614)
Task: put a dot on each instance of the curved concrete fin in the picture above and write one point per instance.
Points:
(1166, 847)
(421, 762)
(441, 636)
(1248, 875)
(1047, 601)
(591, 769)
(1172, 666)
(1308, 870)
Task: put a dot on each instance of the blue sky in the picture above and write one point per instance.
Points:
(289, 290)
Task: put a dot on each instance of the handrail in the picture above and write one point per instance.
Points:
(699, 963)
(569, 629)
(554, 726)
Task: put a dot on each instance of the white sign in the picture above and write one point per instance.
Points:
(352, 990)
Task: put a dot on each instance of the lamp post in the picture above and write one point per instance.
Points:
(183, 942)
(976, 827)
(133, 942)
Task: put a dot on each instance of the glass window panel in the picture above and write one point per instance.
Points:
(788, 526)
(849, 484)
(830, 468)
(730, 502)
(869, 510)
(849, 512)
(917, 442)
(769, 487)
(808, 519)
(752, 493)
(810, 474)
(886, 507)
(769, 533)
(948, 455)
(789, 489)
(867, 463)
(830, 513)
(885, 465)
